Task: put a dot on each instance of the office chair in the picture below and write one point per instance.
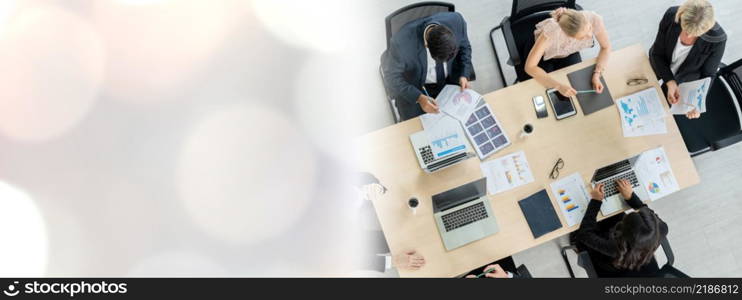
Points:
(584, 261)
(399, 18)
(395, 21)
(521, 23)
(721, 125)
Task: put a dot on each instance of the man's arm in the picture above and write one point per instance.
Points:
(463, 59)
(394, 69)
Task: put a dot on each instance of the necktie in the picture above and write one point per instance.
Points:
(440, 74)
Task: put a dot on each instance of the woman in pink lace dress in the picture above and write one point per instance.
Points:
(559, 38)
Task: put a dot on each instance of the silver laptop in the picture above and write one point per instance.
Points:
(428, 161)
(609, 174)
(464, 214)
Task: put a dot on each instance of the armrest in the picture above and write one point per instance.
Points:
(510, 42)
(668, 251)
(727, 141)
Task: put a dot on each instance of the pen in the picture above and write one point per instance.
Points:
(431, 98)
(485, 272)
(586, 91)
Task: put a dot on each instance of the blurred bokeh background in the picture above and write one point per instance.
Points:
(180, 137)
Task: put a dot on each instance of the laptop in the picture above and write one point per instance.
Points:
(464, 214)
(431, 162)
(608, 175)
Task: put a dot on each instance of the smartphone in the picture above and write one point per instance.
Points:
(540, 106)
(563, 106)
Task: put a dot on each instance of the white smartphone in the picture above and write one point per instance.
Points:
(563, 106)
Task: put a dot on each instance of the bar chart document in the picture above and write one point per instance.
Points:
(572, 196)
(507, 172)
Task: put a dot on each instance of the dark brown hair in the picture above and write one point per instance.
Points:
(442, 43)
(637, 236)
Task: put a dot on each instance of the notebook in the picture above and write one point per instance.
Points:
(540, 214)
(581, 80)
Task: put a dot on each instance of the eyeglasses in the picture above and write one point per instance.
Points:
(636, 81)
(555, 171)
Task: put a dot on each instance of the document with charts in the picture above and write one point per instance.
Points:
(655, 175)
(456, 103)
(692, 96)
(642, 113)
(444, 134)
(572, 196)
(507, 172)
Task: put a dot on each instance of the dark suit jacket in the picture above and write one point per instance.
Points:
(405, 63)
(703, 60)
(596, 239)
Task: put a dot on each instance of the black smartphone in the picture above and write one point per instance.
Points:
(540, 106)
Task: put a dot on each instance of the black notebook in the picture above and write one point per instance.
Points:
(540, 214)
(582, 80)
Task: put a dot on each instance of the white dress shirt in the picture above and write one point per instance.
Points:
(679, 55)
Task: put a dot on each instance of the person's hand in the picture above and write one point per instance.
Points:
(497, 273)
(566, 90)
(427, 104)
(673, 93)
(409, 260)
(597, 192)
(597, 84)
(693, 114)
(464, 83)
(625, 188)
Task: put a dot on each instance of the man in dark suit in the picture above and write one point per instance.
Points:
(422, 57)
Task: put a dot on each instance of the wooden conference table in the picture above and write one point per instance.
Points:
(585, 143)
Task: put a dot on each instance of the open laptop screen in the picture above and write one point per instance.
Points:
(460, 195)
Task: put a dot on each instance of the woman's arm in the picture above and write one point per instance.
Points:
(605, 52)
(713, 61)
(532, 68)
(588, 234)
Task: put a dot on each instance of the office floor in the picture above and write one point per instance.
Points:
(703, 220)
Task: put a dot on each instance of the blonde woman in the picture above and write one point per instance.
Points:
(558, 41)
(689, 46)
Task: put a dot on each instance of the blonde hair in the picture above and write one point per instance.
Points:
(695, 17)
(570, 20)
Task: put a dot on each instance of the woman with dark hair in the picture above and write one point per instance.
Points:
(622, 245)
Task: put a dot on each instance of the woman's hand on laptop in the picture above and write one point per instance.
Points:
(597, 192)
(625, 188)
(409, 260)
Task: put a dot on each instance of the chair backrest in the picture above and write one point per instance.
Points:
(733, 75)
(404, 15)
(526, 7)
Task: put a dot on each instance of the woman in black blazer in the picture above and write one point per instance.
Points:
(622, 245)
(689, 46)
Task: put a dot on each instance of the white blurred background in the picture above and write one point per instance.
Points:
(180, 137)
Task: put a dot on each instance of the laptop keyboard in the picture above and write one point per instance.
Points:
(464, 216)
(427, 154)
(611, 188)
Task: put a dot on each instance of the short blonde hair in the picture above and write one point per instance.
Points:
(570, 20)
(696, 17)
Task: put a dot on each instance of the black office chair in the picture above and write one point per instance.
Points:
(517, 30)
(721, 125)
(584, 261)
(399, 18)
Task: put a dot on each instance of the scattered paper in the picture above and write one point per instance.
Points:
(507, 172)
(642, 114)
(485, 131)
(655, 175)
(572, 197)
(444, 134)
(456, 103)
(692, 96)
